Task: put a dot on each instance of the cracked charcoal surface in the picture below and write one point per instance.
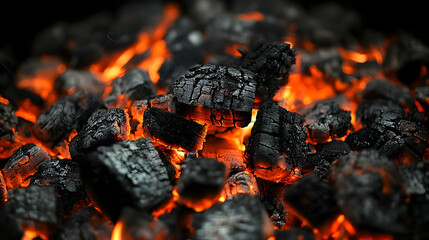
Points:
(271, 63)
(173, 130)
(326, 154)
(135, 84)
(64, 175)
(313, 199)
(240, 217)
(3, 191)
(277, 142)
(8, 122)
(217, 95)
(327, 121)
(102, 128)
(241, 182)
(78, 81)
(369, 191)
(128, 173)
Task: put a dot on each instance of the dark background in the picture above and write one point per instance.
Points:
(21, 20)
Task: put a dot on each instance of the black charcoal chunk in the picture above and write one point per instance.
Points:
(240, 217)
(241, 182)
(326, 154)
(3, 191)
(271, 63)
(312, 199)
(8, 123)
(294, 234)
(277, 142)
(135, 85)
(368, 189)
(173, 130)
(327, 121)
(416, 178)
(217, 95)
(201, 182)
(364, 138)
(73, 80)
(64, 175)
(159, 101)
(379, 114)
(128, 173)
(102, 128)
(22, 164)
(87, 106)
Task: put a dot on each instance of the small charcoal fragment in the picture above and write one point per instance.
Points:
(73, 80)
(22, 164)
(241, 182)
(3, 191)
(326, 154)
(217, 95)
(201, 182)
(368, 189)
(277, 142)
(241, 217)
(173, 130)
(379, 113)
(128, 173)
(102, 128)
(223, 150)
(327, 121)
(64, 175)
(313, 200)
(416, 177)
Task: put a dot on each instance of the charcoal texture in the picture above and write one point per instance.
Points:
(8, 123)
(173, 130)
(102, 128)
(327, 121)
(241, 182)
(312, 199)
(3, 191)
(277, 142)
(64, 175)
(22, 164)
(240, 217)
(369, 192)
(78, 81)
(217, 95)
(416, 178)
(325, 155)
(128, 173)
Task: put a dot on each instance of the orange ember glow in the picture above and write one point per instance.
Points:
(31, 234)
(28, 111)
(232, 49)
(117, 231)
(4, 100)
(251, 16)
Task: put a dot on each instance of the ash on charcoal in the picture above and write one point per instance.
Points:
(239, 217)
(277, 142)
(102, 128)
(88, 223)
(217, 95)
(8, 125)
(78, 81)
(201, 182)
(134, 85)
(241, 182)
(128, 173)
(294, 234)
(325, 155)
(326, 121)
(64, 175)
(3, 191)
(368, 189)
(173, 130)
(22, 164)
(271, 63)
(313, 200)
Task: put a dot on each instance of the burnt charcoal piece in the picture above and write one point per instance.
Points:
(326, 154)
(159, 101)
(277, 143)
(87, 106)
(64, 175)
(369, 192)
(241, 182)
(3, 191)
(173, 130)
(364, 138)
(8, 125)
(135, 85)
(102, 128)
(73, 80)
(271, 63)
(224, 150)
(416, 177)
(201, 182)
(294, 234)
(217, 95)
(379, 113)
(312, 199)
(36, 208)
(327, 121)
(128, 173)
(328, 61)
(241, 217)
(22, 164)
(88, 223)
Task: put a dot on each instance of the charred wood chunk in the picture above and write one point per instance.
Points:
(241, 182)
(223, 150)
(294, 234)
(240, 217)
(379, 113)
(73, 80)
(87, 106)
(277, 142)
(364, 138)
(22, 164)
(36, 208)
(3, 191)
(217, 95)
(327, 121)
(64, 175)
(128, 173)
(173, 130)
(313, 200)
(135, 85)
(102, 128)
(369, 192)
(416, 177)
(271, 63)
(8, 125)
(159, 101)
(325, 155)
(201, 182)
